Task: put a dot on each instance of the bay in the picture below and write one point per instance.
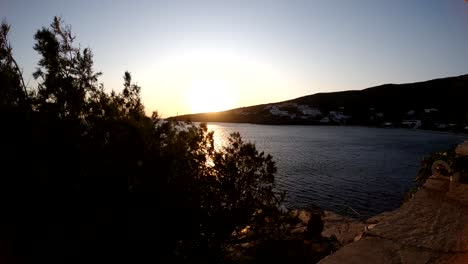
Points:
(358, 171)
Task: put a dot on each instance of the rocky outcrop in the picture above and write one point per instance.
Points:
(303, 242)
(431, 228)
(345, 229)
(462, 149)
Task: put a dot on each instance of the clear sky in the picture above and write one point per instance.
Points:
(192, 56)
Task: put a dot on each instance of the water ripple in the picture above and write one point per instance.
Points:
(368, 169)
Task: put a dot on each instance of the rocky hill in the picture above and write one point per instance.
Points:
(439, 103)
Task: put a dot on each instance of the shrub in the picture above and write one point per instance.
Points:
(90, 173)
(457, 164)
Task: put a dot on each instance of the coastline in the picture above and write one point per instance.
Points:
(430, 227)
(334, 125)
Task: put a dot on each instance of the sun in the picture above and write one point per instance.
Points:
(210, 95)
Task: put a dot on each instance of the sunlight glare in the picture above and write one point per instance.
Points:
(210, 95)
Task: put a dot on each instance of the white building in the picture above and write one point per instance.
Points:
(387, 124)
(337, 115)
(441, 126)
(308, 111)
(274, 110)
(430, 110)
(412, 123)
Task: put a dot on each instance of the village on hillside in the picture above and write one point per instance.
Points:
(428, 118)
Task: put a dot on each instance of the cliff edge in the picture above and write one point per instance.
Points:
(430, 228)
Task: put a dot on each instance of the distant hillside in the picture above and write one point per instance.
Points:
(435, 103)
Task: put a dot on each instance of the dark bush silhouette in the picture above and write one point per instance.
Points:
(314, 226)
(87, 176)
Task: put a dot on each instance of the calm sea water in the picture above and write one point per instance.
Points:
(367, 169)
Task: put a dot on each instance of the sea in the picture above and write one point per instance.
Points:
(354, 171)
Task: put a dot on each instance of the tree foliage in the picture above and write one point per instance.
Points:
(65, 72)
(87, 172)
(12, 92)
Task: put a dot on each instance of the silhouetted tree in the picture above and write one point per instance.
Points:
(12, 91)
(90, 173)
(65, 72)
(131, 98)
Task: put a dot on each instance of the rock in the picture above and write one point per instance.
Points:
(461, 258)
(247, 244)
(462, 149)
(378, 218)
(345, 229)
(440, 168)
(437, 184)
(372, 250)
(302, 215)
(377, 250)
(427, 221)
(458, 192)
(299, 230)
(358, 237)
(415, 256)
(430, 228)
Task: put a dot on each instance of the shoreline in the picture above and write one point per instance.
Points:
(336, 125)
(431, 226)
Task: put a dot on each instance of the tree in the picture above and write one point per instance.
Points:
(221, 191)
(131, 98)
(66, 74)
(86, 155)
(13, 91)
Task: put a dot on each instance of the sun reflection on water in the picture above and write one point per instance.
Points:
(221, 135)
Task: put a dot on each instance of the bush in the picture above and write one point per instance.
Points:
(89, 173)
(457, 164)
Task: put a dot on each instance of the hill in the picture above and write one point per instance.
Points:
(435, 104)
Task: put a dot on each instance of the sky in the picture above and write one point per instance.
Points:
(196, 56)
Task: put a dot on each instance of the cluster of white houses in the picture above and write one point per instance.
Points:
(299, 111)
(306, 112)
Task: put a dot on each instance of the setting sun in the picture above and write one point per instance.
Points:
(210, 96)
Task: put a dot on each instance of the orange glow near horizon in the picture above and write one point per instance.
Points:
(200, 80)
(210, 95)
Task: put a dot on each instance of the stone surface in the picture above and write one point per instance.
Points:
(461, 258)
(458, 192)
(462, 149)
(378, 250)
(345, 229)
(430, 220)
(302, 215)
(371, 250)
(430, 228)
(415, 256)
(378, 218)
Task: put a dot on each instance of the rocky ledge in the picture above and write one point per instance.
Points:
(430, 228)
